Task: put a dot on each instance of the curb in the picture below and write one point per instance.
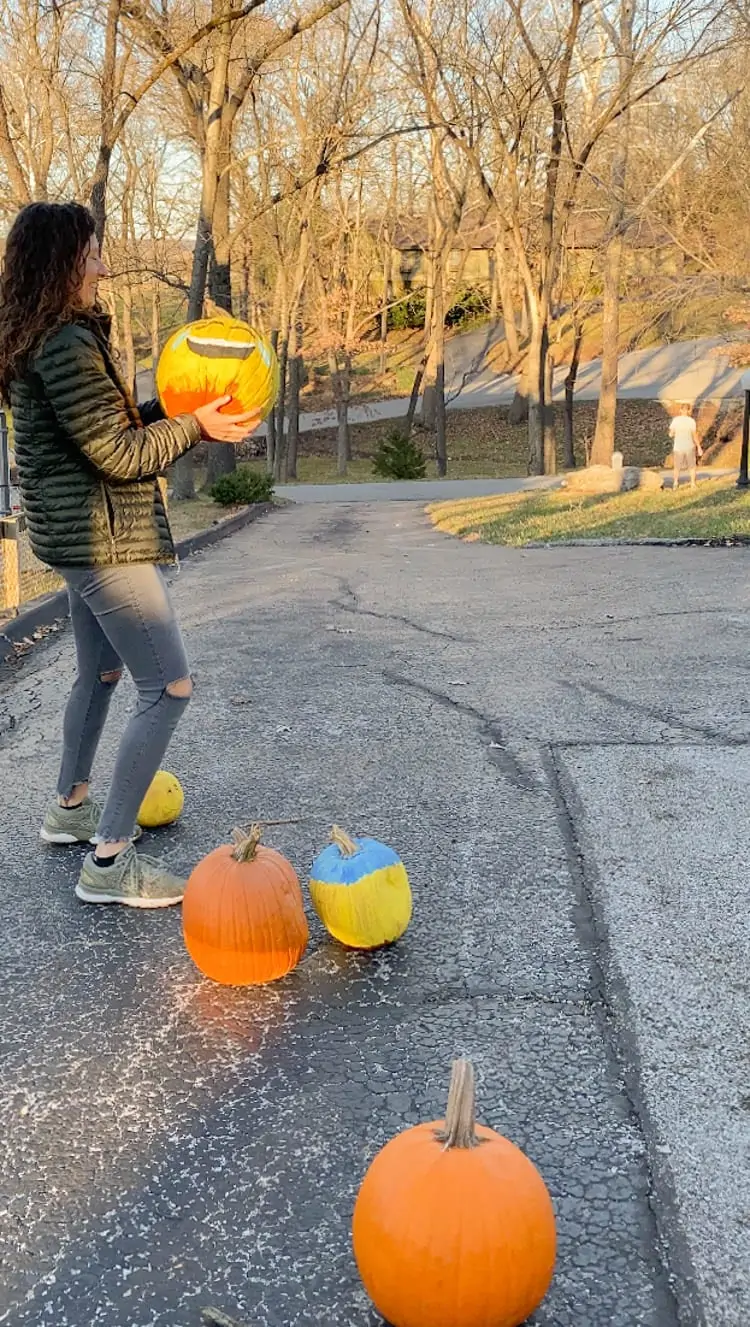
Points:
(723, 541)
(47, 612)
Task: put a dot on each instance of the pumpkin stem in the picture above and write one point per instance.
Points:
(344, 842)
(459, 1130)
(246, 843)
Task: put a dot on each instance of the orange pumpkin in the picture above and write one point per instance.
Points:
(453, 1225)
(242, 915)
(215, 357)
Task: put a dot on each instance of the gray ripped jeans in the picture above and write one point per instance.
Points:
(121, 615)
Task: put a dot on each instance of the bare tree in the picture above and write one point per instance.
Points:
(604, 436)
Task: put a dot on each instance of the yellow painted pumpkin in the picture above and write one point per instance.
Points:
(360, 891)
(217, 357)
(163, 801)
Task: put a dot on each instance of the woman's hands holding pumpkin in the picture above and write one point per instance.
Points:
(225, 428)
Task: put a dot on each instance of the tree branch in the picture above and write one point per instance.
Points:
(176, 53)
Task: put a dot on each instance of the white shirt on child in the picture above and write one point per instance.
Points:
(684, 432)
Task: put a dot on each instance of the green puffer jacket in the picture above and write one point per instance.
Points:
(88, 458)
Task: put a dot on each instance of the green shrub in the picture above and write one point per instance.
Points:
(398, 457)
(470, 303)
(243, 487)
(410, 313)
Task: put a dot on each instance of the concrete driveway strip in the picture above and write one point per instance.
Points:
(168, 1144)
(667, 831)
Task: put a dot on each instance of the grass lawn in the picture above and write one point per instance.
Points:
(322, 470)
(188, 518)
(716, 510)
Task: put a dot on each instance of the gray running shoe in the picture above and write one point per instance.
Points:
(138, 882)
(77, 825)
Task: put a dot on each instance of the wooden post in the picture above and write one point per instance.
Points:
(11, 562)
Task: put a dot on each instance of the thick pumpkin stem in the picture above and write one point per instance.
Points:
(460, 1128)
(344, 842)
(246, 843)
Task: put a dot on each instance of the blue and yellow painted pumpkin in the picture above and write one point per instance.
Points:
(360, 891)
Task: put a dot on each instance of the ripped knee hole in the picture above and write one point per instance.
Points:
(111, 678)
(182, 689)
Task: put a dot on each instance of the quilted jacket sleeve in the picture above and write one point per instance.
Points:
(93, 412)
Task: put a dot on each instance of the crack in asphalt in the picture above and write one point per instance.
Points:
(497, 750)
(610, 621)
(594, 743)
(356, 608)
(647, 711)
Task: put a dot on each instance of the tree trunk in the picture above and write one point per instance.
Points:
(280, 458)
(535, 384)
(388, 256)
(548, 409)
(441, 450)
(114, 334)
(221, 460)
(569, 455)
(433, 399)
(494, 288)
(525, 319)
(295, 385)
(155, 326)
(210, 166)
(606, 415)
(128, 344)
(222, 456)
(108, 97)
(387, 295)
(518, 412)
(98, 195)
(414, 398)
(182, 478)
(183, 470)
(220, 273)
(429, 311)
(505, 291)
(519, 407)
(20, 192)
(340, 384)
(244, 300)
(271, 420)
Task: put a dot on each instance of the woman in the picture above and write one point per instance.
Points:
(88, 461)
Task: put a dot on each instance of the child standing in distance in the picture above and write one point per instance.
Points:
(685, 445)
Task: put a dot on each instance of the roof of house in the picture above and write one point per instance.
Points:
(586, 230)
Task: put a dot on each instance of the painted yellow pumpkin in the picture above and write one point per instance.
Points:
(163, 801)
(217, 357)
(360, 891)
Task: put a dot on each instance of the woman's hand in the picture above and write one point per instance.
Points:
(225, 428)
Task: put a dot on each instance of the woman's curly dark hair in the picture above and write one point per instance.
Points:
(45, 254)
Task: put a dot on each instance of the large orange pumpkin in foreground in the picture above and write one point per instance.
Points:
(242, 915)
(453, 1225)
(217, 357)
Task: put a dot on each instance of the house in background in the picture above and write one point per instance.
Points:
(473, 259)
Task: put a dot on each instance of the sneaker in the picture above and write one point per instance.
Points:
(138, 882)
(77, 825)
